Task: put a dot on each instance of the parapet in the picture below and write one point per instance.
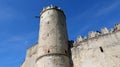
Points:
(51, 7)
(97, 34)
(104, 30)
(79, 38)
(93, 34)
(117, 27)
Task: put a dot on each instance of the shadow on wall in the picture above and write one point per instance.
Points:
(70, 45)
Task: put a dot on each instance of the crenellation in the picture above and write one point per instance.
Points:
(93, 34)
(97, 34)
(111, 31)
(85, 38)
(50, 8)
(104, 30)
(79, 39)
(117, 27)
(98, 37)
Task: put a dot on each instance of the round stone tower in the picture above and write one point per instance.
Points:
(53, 39)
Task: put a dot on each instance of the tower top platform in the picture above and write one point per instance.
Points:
(51, 7)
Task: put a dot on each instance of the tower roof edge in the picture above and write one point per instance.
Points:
(51, 7)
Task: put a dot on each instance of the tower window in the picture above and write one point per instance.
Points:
(101, 49)
(65, 52)
(48, 22)
(48, 51)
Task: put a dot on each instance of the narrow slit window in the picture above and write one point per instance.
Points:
(65, 52)
(48, 51)
(101, 49)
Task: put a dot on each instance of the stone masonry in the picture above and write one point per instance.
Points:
(99, 49)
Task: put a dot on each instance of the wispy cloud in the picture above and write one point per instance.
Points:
(87, 13)
(8, 13)
(91, 17)
(107, 9)
(17, 41)
(97, 10)
(79, 19)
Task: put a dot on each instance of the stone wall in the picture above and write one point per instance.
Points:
(101, 50)
(30, 57)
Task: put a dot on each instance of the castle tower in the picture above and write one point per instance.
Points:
(53, 39)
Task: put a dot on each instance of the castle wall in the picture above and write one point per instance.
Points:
(100, 51)
(31, 56)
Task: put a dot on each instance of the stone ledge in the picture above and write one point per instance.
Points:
(52, 54)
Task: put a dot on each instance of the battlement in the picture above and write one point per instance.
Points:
(99, 49)
(51, 7)
(97, 34)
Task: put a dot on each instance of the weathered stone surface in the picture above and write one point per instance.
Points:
(104, 30)
(31, 56)
(52, 49)
(117, 27)
(98, 52)
(53, 39)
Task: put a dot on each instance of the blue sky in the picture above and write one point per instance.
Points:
(19, 27)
